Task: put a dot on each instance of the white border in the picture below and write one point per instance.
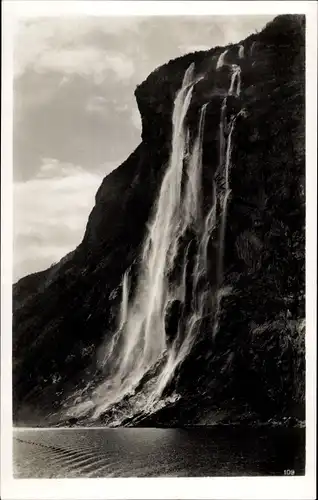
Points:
(297, 488)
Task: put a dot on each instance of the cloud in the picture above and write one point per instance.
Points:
(86, 62)
(53, 168)
(97, 104)
(50, 214)
(83, 61)
(61, 45)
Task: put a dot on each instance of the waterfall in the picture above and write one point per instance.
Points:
(141, 360)
(224, 185)
(241, 52)
(191, 203)
(142, 335)
(107, 352)
(220, 61)
(236, 78)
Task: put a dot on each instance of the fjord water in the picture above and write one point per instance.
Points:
(128, 452)
(139, 350)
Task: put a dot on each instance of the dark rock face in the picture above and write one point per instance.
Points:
(256, 362)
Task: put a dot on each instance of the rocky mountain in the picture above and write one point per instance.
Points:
(248, 362)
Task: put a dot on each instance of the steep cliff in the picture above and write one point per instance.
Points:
(255, 363)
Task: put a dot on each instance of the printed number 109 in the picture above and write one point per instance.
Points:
(289, 472)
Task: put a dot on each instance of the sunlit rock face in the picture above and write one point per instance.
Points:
(184, 303)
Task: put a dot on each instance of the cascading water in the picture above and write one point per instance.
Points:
(220, 61)
(224, 189)
(140, 355)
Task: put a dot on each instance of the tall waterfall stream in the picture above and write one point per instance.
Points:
(141, 358)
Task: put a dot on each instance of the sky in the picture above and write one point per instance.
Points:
(75, 115)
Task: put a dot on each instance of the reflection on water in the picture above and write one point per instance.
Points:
(128, 452)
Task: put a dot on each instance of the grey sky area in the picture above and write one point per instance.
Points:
(75, 116)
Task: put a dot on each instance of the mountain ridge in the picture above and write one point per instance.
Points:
(61, 315)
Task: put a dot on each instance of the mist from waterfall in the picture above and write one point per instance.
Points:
(140, 353)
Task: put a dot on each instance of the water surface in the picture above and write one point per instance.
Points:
(129, 452)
